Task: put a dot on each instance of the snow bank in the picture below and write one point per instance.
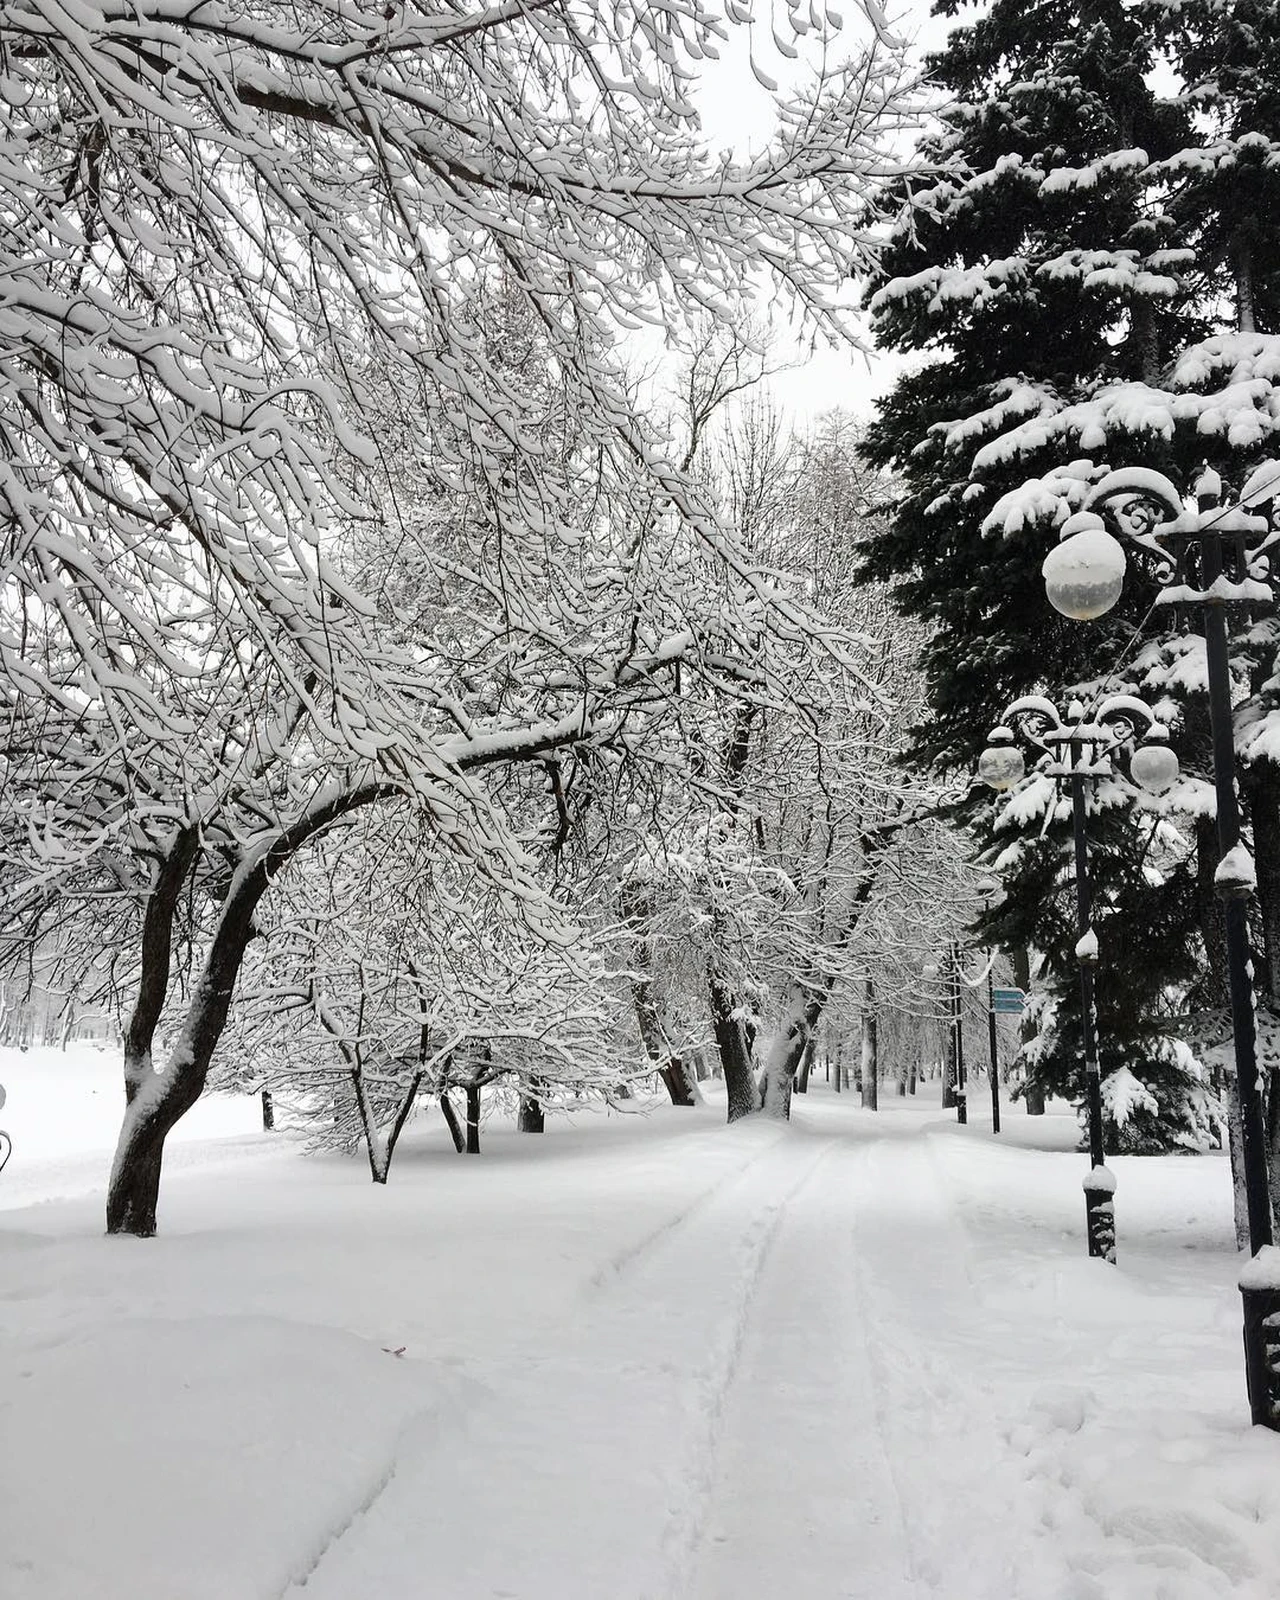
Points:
(640, 1356)
(203, 1458)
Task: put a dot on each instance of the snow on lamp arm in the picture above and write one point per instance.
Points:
(1203, 554)
(1079, 748)
(1210, 555)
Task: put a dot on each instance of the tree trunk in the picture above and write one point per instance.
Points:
(381, 1146)
(1261, 788)
(154, 1101)
(677, 1081)
(531, 1117)
(1216, 996)
(806, 1066)
(268, 1112)
(1032, 1092)
(1235, 1141)
(473, 1119)
(134, 1190)
(1242, 272)
(636, 907)
(788, 1046)
(870, 1052)
(949, 1069)
(451, 1122)
(735, 1059)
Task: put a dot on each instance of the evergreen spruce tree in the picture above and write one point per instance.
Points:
(1216, 404)
(1043, 265)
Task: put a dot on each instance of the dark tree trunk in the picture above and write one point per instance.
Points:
(637, 907)
(381, 1148)
(870, 1055)
(1242, 272)
(949, 1069)
(268, 1112)
(531, 1117)
(806, 1066)
(675, 1080)
(1215, 995)
(154, 1102)
(1033, 1099)
(1209, 908)
(134, 1190)
(1262, 794)
(735, 1058)
(451, 1122)
(473, 1119)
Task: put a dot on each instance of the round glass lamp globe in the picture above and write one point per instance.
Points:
(1001, 766)
(1083, 576)
(1154, 767)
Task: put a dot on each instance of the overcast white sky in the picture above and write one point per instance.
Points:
(737, 112)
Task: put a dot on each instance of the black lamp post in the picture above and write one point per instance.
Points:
(988, 888)
(957, 1024)
(931, 972)
(1079, 748)
(1212, 556)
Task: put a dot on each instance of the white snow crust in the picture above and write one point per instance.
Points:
(639, 1356)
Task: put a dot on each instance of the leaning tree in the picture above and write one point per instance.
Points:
(231, 237)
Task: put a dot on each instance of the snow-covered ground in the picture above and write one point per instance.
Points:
(637, 1358)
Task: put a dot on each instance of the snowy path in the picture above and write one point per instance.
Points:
(802, 1451)
(605, 1430)
(643, 1358)
(785, 1418)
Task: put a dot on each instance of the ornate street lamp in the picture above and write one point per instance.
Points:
(1079, 747)
(1212, 556)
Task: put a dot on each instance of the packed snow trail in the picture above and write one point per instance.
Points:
(779, 1420)
(643, 1358)
(605, 1427)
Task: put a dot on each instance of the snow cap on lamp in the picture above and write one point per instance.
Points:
(1084, 572)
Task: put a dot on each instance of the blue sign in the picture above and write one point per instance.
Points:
(1008, 1002)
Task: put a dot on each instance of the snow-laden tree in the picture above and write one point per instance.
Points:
(1156, 1094)
(1040, 262)
(1110, 218)
(1224, 188)
(245, 255)
(383, 980)
(790, 890)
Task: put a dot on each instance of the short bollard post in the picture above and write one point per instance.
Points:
(1260, 1291)
(1100, 1212)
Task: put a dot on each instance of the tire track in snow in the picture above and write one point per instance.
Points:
(796, 1461)
(862, 1327)
(684, 1535)
(624, 1260)
(427, 1420)
(618, 1440)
